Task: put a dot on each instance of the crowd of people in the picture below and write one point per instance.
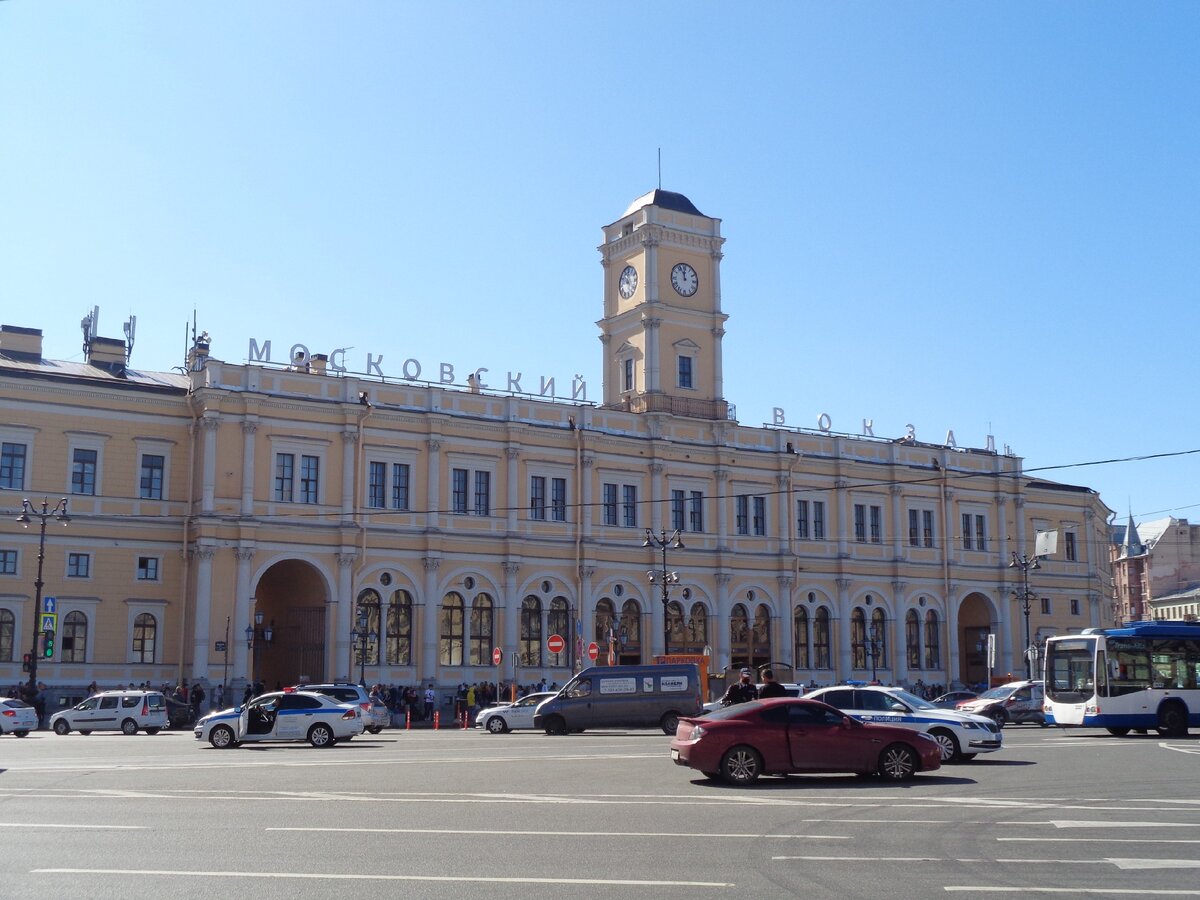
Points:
(420, 702)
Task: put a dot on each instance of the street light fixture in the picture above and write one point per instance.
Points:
(664, 578)
(1025, 598)
(259, 636)
(28, 514)
(874, 648)
(362, 637)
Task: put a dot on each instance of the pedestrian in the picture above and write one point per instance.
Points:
(471, 697)
(741, 691)
(430, 700)
(771, 687)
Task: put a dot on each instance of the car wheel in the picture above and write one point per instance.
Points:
(1117, 732)
(374, 729)
(497, 725)
(967, 757)
(129, 727)
(21, 733)
(1042, 721)
(1000, 717)
(221, 737)
(741, 765)
(669, 723)
(711, 776)
(152, 730)
(61, 727)
(85, 731)
(556, 725)
(897, 763)
(1172, 720)
(948, 744)
(321, 735)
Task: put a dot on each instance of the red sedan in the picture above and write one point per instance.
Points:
(785, 735)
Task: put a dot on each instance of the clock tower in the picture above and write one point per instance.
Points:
(663, 324)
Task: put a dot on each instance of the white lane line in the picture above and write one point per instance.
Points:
(1009, 889)
(1100, 840)
(591, 834)
(1103, 823)
(72, 827)
(1155, 863)
(936, 859)
(333, 876)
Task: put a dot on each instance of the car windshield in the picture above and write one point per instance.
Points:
(997, 693)
(913, 700)
(736, 711)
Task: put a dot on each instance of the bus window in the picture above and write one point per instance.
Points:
(1101, 674)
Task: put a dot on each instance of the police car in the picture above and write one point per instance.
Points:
(282, 716)
(960, 735)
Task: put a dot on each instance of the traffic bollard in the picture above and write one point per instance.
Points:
(407, 719)
(437, 719)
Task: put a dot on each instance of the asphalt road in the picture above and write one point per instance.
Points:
(466, 815)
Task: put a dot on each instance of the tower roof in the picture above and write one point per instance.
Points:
(664, 200)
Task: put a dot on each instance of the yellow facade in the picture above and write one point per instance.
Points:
(479, 519)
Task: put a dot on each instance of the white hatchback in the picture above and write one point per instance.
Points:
(507, 716)
(124, 711)
(282, 716)
(17, 717)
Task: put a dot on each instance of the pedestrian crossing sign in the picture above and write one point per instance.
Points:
(49, 622)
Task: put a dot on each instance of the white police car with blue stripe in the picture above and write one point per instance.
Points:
(960, 735)
(282, 716)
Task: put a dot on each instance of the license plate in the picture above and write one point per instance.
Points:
(675, 754)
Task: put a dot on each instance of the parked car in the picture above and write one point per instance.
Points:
(960, 735)
(785, 735)
(375, 713)
(282, 716)
(17, 717)
(623, 697)
(124, 711)
(951, 699)
(1017, 702)
(505, 717)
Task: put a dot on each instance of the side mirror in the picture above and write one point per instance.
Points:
(847, 722)
(898, 707)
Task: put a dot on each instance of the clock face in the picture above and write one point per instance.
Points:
(628, 282)
(684, 279)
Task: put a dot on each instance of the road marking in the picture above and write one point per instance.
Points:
(333, 876)
(602, 834)
(1100, 840)
(1104, 823)
(1008, 889)
(72, 827)
(1155, 863)
(936, 859)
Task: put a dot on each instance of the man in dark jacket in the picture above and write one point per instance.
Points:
(741, 691)
(771, 687)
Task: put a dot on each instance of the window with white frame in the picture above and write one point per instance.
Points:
(537, 497)
(1074, 606)
(79, 565)
(876, 524)
(74, 638)
(147, 568)
(619, 504)
(471, 491)
(608, 503)
(1045, 606)
(388, 484)
(685, 371)
(12, 465)
(8, 633)
(150, 478)
(8, 562)
(145, 638)
(750, 514)
(810, 520)
(920, 528)
(85, 462)
(864, 513)
(974, 531)
(629, 505)
(1069, 546)
(627, 374)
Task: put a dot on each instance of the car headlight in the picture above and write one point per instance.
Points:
(697, 733)
(967, 723)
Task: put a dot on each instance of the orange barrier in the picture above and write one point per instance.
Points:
(407, 719)
(437, 719)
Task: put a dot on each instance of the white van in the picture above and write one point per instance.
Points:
(124, 711)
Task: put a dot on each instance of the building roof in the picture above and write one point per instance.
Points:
(664, 200)
(55, 368)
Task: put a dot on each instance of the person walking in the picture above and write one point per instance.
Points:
(741, 691)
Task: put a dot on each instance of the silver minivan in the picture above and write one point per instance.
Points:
(124, 711)
(623, 697)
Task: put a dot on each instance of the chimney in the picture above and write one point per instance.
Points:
(319, 363)
(21, 344)
(108, 354)
(197, 357)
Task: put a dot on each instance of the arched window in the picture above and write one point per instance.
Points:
(697, 628)
(858, 638)
(630, 633)
(821, 657)
(912, 639)
(560, 624)
(366, 621)
(8, 630)
(482, 623)
(145, 636)
(933, 654)
(676, 629)
(800, 631)
(761, 651)
(879, 641)
(606, 634)
(74, 637)
(399, 629)
(450, 647)
(531, 631)
(739, 636)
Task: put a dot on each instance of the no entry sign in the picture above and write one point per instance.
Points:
(593, 651)
(497, 656)
(555, 643)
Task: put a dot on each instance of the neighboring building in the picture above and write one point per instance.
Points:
(1153, 564)
(451, 520)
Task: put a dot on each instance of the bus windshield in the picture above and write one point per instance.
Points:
(1071, 670)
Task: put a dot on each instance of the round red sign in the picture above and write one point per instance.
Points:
(555, 643)
(593, 651)
(497, 656)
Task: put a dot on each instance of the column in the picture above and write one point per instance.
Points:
(653, 364)
(512, 487)
(1002, 538)
(1006, 639)
(844, 523)
(952, 664)
(585, 509)
(720, 621)
(718, 366)
(512, 611)
(787, 639)
(429, 629)
(656, 496)
(249, 427)
(349, 452)
(783, 503)
(948, 527)
(433, 469)
(897, 493)
(585, 614)
(204, 555)
(898, 646)
(841, 625)
(241, 611)
(210, 423)
(722, 498)
(341, 608)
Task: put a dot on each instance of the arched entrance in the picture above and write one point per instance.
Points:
(292, 597)
(974, 626)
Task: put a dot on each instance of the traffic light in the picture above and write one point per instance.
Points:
(48, 644)
(25, 660)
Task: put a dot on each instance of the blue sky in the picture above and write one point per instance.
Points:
(972, 216)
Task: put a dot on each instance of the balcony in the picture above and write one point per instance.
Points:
(677, 406)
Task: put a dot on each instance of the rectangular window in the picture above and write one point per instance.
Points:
(285, 464)
(927, 526)
(628, 366)
(742, 517)
(458, 491)
(685, 371)
(147, 568)
(79, 565)
(760, 516)
(677, 510)
(151, 481)
(537, 497)
(1069, 545)
(1074, 606)
(376, 484)
(1045, 606)
(558, 499)
(696, 512)
(400, 481)
(980, 533)
(629, 505)
(83, 471)
(610, 504)
(483, 493)
(860, 523)
(8, 562)
(914, 531)
(310, 469)
(876, 524)
(967, 543)
(12, 466)
(802, 519)
(818, 520)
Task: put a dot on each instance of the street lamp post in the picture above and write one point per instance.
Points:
(664, 578)
(28, 513)
(1025, 598)
(874, 649)
(259, 636)
(362, 637)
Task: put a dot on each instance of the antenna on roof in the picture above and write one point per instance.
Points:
(130, 328)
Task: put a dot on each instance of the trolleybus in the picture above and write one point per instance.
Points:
(1140, 676)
